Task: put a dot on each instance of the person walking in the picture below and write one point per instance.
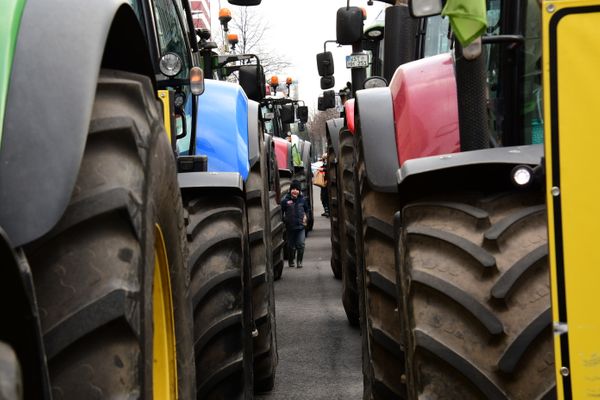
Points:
(295, 210)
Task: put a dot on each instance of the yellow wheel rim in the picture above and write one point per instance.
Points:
(164, 367)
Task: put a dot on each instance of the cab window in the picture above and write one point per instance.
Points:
(171, 36)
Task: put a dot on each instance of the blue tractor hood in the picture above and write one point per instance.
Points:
(222, 127)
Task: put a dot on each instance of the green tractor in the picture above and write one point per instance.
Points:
(99, 295)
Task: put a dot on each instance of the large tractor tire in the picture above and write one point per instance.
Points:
(111, 279)
(310, 192)
(347, 227)
(383, 359)
(259, 224)
(273, 171)
(223, 326)
(277, 231)
(473, 272)
(284, 184)
(277, 226)
(332, 192)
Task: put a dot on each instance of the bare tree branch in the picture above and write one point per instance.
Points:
(317, 127)
(251, 30)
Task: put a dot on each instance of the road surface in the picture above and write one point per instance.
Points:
(319, 352)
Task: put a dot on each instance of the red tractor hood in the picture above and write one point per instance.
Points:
(283, 153)
(425, 108)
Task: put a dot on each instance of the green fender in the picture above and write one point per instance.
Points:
(58, 55)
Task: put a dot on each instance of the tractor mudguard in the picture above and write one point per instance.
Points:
(49, 104)
(210, 180)
(283, 149)
(222, 127)
(333, 127)
(378, 138)
(253, 132)
(470, 169)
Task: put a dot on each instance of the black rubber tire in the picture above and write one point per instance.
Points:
(259, 226)
(277, 225)
(383, 358)
(332, 193)
(347, 228)
(310, 192)
(274, 182)
(277, 230)
(474, 276)
(284, 184)
(223, 325)
(93, 273)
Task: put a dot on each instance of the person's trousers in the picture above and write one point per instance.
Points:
(325, 199)
(295, 239)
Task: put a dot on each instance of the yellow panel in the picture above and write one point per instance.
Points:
(572, 115)
(163, 95)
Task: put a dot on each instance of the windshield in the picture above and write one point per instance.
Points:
(171, 36)
(514, 74)
(436, 36)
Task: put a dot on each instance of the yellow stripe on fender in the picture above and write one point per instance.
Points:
(572, 131)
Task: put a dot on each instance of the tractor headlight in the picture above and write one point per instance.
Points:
(522, 175)
(170, 64)
(375, 82)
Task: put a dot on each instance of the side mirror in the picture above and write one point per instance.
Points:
(328, 99)
(252, 80)
(302, 112)
(320, 105)
(424, 8)
(349, 25)
(325, 63)
(327, 82)
(245, 2)
(287, 114)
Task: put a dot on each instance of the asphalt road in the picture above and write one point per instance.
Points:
(319, 352)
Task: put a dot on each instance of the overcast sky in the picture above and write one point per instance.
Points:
(298, 28)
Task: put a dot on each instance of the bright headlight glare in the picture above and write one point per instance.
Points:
(375, 33)
(522, 175)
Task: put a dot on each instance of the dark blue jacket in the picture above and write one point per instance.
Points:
(294, 211)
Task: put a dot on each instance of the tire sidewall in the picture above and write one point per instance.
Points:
(164, 208)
